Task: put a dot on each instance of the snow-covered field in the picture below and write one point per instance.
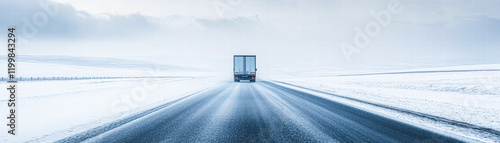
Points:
(469, 94)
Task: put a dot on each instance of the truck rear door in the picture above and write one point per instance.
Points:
(239, 64)
(249, 65)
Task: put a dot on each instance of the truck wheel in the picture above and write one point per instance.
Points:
(235, 80)
(253, 80)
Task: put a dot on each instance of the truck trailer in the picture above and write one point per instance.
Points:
(244, 67)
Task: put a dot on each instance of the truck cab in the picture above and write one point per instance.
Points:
(244, 67)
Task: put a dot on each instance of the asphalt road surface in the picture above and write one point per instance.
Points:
(258, 112)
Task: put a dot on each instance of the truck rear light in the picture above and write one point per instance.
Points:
(253, 77)
(235, 77)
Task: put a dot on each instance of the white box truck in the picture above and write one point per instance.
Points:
(244, 67)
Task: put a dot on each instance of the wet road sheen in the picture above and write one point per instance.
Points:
(263, 112)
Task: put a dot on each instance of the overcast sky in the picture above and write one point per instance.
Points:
(307, 32)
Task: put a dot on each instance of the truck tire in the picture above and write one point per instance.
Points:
(253, 80)
(235, 80)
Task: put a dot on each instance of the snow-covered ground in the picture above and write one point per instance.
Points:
(469, 94)
(48, 110)
(51, 109)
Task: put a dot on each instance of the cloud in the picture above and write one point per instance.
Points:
(48, 19)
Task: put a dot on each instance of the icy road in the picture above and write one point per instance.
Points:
(256, 112)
